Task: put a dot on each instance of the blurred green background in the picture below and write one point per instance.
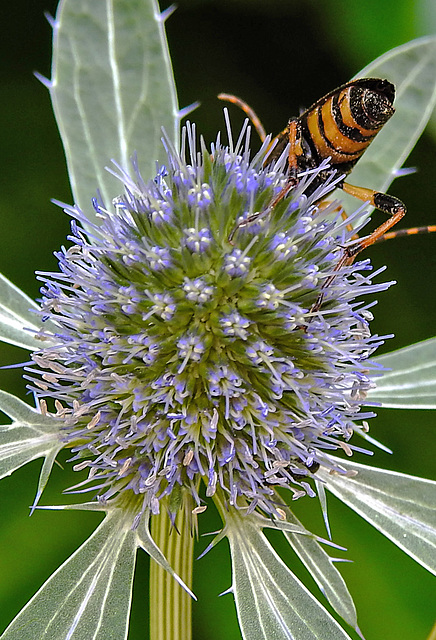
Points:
(279, 55)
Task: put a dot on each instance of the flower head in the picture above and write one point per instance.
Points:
(181, 355)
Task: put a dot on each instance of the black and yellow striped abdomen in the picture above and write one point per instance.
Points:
(343, 123)
(339, 126)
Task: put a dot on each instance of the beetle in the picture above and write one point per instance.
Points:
(340, 126)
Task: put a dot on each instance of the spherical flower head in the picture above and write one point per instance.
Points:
(199, 341)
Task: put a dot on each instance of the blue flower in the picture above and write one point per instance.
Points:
(190, 346)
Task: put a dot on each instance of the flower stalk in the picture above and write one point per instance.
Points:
(170, 605)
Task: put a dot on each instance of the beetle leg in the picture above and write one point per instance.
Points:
(390, 205)
(295, 150)
(382, 201)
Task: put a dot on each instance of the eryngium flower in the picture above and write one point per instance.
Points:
(192, 346)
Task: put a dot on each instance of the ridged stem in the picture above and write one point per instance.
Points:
(170, 605)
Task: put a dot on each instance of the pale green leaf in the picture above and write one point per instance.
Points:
(321, 568)
(289, 526)
(402, 507)
(19, 320)
(112, 91)
(412, 69)
(270, 601)
(424, 24)
(88, 597)
(31, 435)
(410, 382)
(44, 475)
(80, 506)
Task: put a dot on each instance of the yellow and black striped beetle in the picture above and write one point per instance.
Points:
(339, 126)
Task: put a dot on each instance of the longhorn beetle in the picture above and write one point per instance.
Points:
(339, 126)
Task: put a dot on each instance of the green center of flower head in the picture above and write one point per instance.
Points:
(181, 355)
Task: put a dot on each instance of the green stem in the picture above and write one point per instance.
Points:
(170, 605)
